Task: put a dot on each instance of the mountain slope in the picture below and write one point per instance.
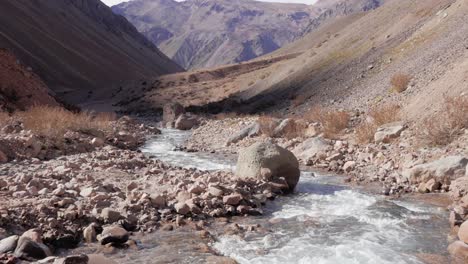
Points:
(347, 62)
(78, 47)
(207, 33)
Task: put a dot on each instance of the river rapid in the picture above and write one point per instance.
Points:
(323, 222)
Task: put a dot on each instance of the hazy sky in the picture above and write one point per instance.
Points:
(114, 2)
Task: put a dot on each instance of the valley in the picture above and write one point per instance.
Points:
(341, 137)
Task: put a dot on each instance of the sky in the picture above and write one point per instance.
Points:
(114, 2)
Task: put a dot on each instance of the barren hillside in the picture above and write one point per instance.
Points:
(349, 62)
(210, 33)
(78, 47)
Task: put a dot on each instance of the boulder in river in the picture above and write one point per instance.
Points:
(263, 156)
(170, 113)
(186, 122)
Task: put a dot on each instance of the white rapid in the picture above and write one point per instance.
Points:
(323, 222)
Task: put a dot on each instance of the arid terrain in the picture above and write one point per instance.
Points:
(199, 34)
(347, 144)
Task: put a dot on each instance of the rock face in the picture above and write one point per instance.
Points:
(443, 171)
(388, 132)
(60, 54)
(216, 32)
(268, 162)
(171, 112)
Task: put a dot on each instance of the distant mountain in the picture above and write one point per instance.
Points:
(205, 33)
(78, 47)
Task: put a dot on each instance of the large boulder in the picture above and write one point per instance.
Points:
(443, 171)
(388, 132)
(463, 232)
(459, 251)
(311, 148)
(8, 244)
(170, 113)
(28, 249)
(270, 162)
(186, 122)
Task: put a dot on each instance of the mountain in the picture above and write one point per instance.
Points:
(207, 33)
(347, 62)
(78, 47)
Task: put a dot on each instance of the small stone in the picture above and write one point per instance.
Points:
(233, 199)
(110, 216)
(216, 192)
(8, 244)
(87, 192)
(349, 166)
(182, 208)
(113, 234)
(463, 232)
(89, 233)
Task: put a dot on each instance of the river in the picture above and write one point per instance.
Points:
(324, 221)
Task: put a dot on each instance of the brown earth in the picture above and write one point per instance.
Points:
(78, 47)
(21, 88)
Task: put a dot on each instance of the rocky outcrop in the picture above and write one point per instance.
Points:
(268, 162)
(443, 171)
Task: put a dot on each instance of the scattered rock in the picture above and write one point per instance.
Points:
(113, 234)
(27, 249)
(349, 166)
(233, 199)
(250, 131)
(89, 233)
(459, 250)
(388, 132)
(463, 232)
(110, 216)
(311, 148)
(182, 208)
(442, 171)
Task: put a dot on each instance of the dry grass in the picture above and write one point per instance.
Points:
(400, 82)
(267, 125)
(55, 122)
(441, 129)
(332, 121)
(384, 114)
(293, 129)
(4, 118)
(377, 116)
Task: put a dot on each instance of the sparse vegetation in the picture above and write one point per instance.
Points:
(54, 121)
(442, 128)
(332, 121)
(400, 82)
(267, 125)
(377, 116)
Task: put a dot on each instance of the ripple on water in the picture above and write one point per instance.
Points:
(351, 227)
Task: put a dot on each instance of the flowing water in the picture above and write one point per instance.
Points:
(323, 221)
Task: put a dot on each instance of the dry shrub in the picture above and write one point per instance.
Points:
(267, 125)
(377, 116)
(227, 115)
(332, 121)
(299, 100)
(4, 118)
(54, 121)
(400, 82)
(442, 128)
(384, 114)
